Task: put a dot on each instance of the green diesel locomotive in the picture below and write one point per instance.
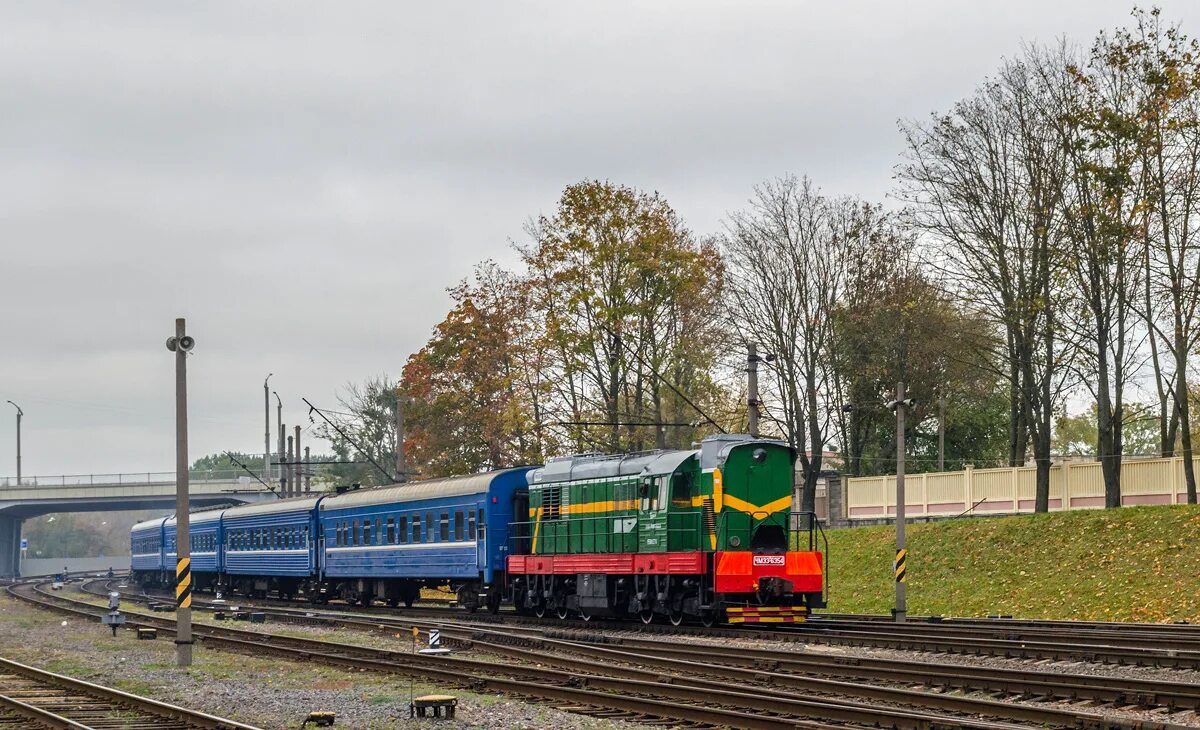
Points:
(708, 533)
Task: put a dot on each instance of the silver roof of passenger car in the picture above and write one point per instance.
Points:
(148, 524)
(414, 491)
(295, 504)
(200, 518)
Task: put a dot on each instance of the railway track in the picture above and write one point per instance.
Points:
(1154, 645)
(35, 698)
(778, 676)
(1175, 647)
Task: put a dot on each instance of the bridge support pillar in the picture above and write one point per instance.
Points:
(10, 546)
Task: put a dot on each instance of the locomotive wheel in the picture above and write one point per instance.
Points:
(584, 615)
(676, 617)
(561, 612)
(540, 610)
(647, 616)
(708, 619)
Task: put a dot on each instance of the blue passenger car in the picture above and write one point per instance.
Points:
(271, 546)
(205, 538)
(145, 550)
(388, 541)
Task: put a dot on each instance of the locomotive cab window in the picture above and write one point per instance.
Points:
(681, 489)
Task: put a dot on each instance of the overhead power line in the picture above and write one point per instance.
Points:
(313, 409)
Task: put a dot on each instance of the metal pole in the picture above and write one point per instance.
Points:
(279, 420)
(298, 473)
(401, 467)
(752, 387)
(899, 566)
(267, 437)
(287, 487)
(941, 433)
(20, 413)
(180, 343)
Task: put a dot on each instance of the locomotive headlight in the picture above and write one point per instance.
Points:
(735, 541)
(760, 455)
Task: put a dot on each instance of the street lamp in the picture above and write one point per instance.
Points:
(20, 414)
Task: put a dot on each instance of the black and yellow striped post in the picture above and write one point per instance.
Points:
(183, 583)
(181, 344)
(900, 566)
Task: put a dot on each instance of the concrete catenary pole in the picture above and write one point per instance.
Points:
(267, 469)
(287, 468)
(20, 415)
(899, 567)
(401, 467)
(279, 447)
(298, 475)
(752, 387)
(180, 344)
(307, 471)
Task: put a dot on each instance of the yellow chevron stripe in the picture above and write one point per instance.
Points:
(769, 508)
(182, 565)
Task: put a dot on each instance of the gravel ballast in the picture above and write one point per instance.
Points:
(264, 691)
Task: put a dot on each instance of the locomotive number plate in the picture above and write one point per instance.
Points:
(768, 560)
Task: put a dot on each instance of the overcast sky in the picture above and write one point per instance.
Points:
(303, 181)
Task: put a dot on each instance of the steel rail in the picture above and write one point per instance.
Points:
(113, 700)
(685, 660)
(736, 708)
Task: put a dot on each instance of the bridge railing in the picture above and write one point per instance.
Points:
(127, 478)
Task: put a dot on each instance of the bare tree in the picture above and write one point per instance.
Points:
(985, 185)
(1164, 66)
(786, 258)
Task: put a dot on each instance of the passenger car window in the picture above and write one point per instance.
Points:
(416, 528)
(403, 530)
(471, 525)
(445, 527)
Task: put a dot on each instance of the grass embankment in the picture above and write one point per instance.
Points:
(1131, 564)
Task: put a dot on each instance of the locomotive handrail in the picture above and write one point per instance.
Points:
(595, 528)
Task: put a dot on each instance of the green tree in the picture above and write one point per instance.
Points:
(476, 391)
(628, 304)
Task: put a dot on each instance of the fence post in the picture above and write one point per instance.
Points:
(925, 494)
(1013, 483)
(1065, 501)
(1176, 467)
(968, 486)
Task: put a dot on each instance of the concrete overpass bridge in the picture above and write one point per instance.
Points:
(41, 495)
